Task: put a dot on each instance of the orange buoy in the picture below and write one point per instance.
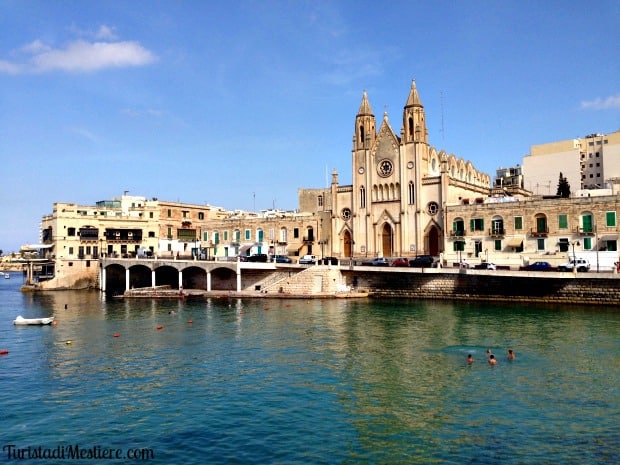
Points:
(159, 326)
(117, 335)
(4, 352)
(266, 308)
(54, 323)
(190, 321)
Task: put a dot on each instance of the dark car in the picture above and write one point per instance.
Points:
(281, 259)
(258, 257)
(422, 261)
(539, 266)
(329, 261)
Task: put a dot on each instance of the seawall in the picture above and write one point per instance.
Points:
(551, 287)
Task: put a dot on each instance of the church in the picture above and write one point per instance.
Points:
(395, 206)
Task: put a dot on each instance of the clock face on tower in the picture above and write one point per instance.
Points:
(361, 170)
(385, 168)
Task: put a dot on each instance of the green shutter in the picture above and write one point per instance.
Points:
(518, 222)
(587, 243)
(563, 221)
(472, 225)
(610, 218)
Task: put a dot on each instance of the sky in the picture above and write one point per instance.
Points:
(239, 104)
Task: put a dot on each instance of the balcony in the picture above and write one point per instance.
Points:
(497, 232)
(458, 233)
(539, 232)
(308, 239)
(586, 232)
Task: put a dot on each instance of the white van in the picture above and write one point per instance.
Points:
(308, 260)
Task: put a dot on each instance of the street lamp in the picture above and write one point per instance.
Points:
(574, 243)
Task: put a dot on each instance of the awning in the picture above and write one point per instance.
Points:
(608, 237)
(515, 242)
(293, 248)
(244, 248)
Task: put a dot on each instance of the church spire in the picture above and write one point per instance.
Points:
(364, 125)
(414, 98)
(414, 126)
(365, 109)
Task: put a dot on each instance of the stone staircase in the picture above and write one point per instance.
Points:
(318, 279)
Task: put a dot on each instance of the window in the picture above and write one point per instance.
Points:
(169, 213)
(612, 245)
(169, 233)
(610, 218)
(205, 236)
(345, 214)
(459, 246)
(458, 227)
(70, 250)
(518, 222)
(320, 200)
(225, 236)
(476, 224)
(432, 208)
(540, 244)
(362, 197)
(151, 233)
(587, 243)
(563, 221)
(283, 235)
(563, 244)
(260, 236)
(296, 233)
(248, 234)
(150, 214)
(201, 215)
(498, 244)
(411, 193)
(216, 237)
(70, 232)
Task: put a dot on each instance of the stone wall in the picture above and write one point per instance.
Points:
(569, 289)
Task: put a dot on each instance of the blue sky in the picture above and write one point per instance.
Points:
(239, 104)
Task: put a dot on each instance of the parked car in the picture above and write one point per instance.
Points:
(485, 266)
(308, 260)
(422, 261)
(258, 257)
(379, 261)
(281, 259)
(400, 262)
(539, 266)
(580, 263)
(329, 261)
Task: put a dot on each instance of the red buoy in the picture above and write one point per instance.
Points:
(159, 326)
(190, 321)
(117, 335)
(4, 352)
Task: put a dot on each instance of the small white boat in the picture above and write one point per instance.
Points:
(32, 321)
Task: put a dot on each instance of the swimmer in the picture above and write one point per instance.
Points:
(470, 359)
(492, 360)
(172, 312)
(511, 354)
(488, 351)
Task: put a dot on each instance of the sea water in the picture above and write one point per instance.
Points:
(305, 381)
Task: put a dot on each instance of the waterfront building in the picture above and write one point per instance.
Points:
(395, 205)
(73, 237)
(515, 231)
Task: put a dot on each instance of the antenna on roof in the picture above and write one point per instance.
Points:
(443, 131)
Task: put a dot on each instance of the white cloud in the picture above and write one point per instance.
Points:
(612, 101)
(80, 57)
(106, 33)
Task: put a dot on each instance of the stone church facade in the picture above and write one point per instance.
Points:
(400, 187)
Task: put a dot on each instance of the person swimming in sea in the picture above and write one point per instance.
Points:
(511, 354)
(492, 360)
(470, 359)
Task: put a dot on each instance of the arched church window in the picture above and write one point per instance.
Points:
(362, 197)
(411, 193)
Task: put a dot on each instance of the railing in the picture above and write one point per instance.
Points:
(497, 232)
(458, 233)
(585, 231)
(539, 232)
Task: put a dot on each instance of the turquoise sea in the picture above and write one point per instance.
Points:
(306, 382)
